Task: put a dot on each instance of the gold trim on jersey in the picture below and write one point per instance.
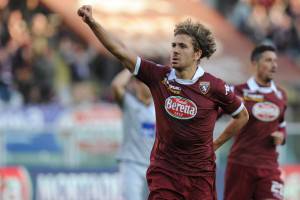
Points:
(247, 96)
(253, 97)
(171, 88)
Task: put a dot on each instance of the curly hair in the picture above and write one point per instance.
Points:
(201, 36)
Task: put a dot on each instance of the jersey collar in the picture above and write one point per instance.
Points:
(253, 86)
(197, 75)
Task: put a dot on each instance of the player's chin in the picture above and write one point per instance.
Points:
(270, 77)
(176, 65)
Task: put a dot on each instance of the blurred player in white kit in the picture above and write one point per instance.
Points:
(138, 134)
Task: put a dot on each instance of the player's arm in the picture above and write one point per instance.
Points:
(111, 43)
(279, 136)
(221, 112)
(119, 85)
(234, 126)
(232, 104)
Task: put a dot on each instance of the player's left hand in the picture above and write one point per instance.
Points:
(85, 12)
(278, 137)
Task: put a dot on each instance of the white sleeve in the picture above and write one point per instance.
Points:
(238, 110)
(137, 65)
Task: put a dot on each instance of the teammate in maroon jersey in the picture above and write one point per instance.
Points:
(182, 163)
(252, 170)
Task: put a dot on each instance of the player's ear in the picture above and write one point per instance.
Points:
(197, 54)
(255, 64)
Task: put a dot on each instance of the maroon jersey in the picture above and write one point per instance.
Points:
(186, 111)
(254, 146)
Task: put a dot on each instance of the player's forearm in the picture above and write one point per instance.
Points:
(122, 79)
(234, 126)
(113, 45)
(119, 84)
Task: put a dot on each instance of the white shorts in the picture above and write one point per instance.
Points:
(133, 181)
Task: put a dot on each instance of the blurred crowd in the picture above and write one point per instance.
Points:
(42, 61)
(277, 21)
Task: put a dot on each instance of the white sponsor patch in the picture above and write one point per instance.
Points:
(180, 108)
(266, 111)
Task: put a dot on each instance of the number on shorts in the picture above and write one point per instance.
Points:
(277, 189)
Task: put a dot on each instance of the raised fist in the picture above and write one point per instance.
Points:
(85, 12)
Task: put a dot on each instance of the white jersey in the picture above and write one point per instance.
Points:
(139, 130)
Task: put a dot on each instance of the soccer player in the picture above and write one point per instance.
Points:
(138, 134)
(252, 170)
(186, 100)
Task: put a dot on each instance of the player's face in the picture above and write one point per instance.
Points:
(267, 66)
(182, 53)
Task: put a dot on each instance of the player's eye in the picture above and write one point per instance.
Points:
(182, 46)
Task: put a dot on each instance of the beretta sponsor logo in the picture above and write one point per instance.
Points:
(266, 111)
(180, 108)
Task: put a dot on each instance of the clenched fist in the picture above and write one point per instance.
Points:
(85, 12)
(278, 137)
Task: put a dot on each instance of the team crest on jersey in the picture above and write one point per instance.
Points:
(180, 107)
(204, 87)
(266, 111)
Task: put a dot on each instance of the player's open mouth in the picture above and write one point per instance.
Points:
(174, 60)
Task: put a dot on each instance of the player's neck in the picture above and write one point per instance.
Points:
(186, 73)
(261, 82)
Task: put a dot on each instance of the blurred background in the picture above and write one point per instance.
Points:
(59, 127)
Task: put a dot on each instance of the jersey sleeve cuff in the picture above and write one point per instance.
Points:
(238, 110)
(137, 66)
(282, 125)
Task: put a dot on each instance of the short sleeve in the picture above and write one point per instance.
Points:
(149, 72)
(237, 91)
(227, 99)
(282, 122)
(282, 129)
